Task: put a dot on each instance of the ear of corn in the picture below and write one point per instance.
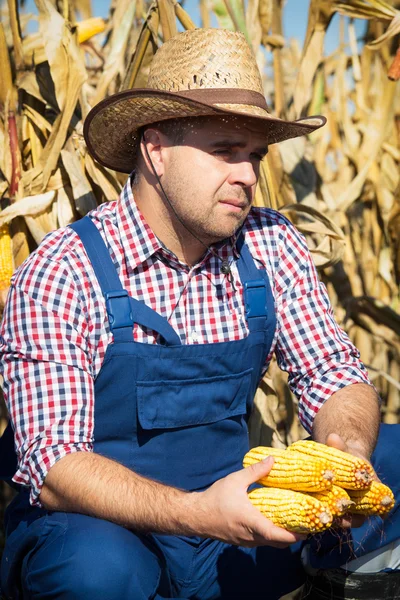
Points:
(6, 257)
(337, 500)
(351, 471)
(377, 500)
(294, 511)
(291, 471)
(89, 28)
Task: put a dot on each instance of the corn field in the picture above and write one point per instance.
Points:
(340, 186)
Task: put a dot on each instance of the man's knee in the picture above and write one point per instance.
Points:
(83, 557)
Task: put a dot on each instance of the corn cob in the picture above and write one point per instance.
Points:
(337, 500)
(89, 28)
(291, 471)
(377, 500)
(294, 511)
(6, 257)
(351, 472)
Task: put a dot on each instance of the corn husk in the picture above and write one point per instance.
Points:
(340, 186)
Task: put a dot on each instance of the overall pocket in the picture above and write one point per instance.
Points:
(192, 432)
(190, 402)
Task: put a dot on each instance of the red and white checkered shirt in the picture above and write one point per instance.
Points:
(55, 331)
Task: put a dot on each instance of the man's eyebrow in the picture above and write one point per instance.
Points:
(237, 144)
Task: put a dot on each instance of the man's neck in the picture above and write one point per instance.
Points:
(166, 226)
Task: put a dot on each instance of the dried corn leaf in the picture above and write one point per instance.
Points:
(7, 91)
(265, 13)
(319, 16)
(28, 206)
(123, 20)
(365, 9)
(82, 192)
(331, 248)
(37, 119)
(43, 222)
(102, 178)
(205, 14)
(392, 30)
(223, 17)
(253, 26)
(183, 16)
(145, 49)
(167, 19)
(84, 7)
(65, 212)
(235, 9)
(68, 73)
(29, 83)
(378, 127)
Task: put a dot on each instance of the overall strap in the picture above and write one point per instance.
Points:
(123, 311)
(257, 295)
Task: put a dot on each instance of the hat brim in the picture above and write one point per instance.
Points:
(111, 127)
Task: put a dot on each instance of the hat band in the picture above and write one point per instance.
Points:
(213, 96)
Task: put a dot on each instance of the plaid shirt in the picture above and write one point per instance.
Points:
(55, 331)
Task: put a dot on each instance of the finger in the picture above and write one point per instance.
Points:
(255, 472)
(349, 520)
(271, 533)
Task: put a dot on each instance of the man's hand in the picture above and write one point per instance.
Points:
(229, 516)
(335, 441)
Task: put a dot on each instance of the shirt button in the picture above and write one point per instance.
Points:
(194, 337)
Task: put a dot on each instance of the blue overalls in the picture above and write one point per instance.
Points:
(172, 412)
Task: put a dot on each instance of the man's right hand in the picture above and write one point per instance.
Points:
(228, 515)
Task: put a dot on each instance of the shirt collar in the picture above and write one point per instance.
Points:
(137, 238)
(140, 242)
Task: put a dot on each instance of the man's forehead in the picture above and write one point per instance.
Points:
(230, 127)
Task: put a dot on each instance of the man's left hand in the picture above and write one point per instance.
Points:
(335, 441)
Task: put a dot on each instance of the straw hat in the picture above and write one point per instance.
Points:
(200, 72)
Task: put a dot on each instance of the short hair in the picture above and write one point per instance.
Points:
(175, 129)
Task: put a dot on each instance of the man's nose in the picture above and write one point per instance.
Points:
(243, 173)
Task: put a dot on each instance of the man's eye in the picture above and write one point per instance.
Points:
(258, 156)
(223, 151)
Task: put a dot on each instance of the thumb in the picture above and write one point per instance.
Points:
(254, 472)
(335, 441)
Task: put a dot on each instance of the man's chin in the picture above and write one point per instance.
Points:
(222, 236)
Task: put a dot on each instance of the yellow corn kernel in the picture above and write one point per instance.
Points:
(294, 511)
(377, 500)
(351, 472)
(337, 500)
(291, 471)
(6, 257)
(89, 28)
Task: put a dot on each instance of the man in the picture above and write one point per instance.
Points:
(134, 340)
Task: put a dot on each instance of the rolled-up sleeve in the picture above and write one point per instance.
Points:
(46, 368)
(317, 354)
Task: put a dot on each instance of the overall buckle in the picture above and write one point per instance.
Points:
(119, 309)
(255, 298)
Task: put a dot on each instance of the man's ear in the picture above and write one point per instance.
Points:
(151, 148)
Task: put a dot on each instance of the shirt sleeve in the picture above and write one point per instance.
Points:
(47, 372)
(316, 353)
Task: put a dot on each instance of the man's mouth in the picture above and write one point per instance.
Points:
(234, 204)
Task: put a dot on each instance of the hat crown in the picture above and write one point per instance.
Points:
(205, 59)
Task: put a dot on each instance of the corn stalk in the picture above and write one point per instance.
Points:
(340, 186)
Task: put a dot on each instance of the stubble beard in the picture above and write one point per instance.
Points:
(206, 227)
(210, 228)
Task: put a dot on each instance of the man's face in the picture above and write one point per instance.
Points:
(211, 176)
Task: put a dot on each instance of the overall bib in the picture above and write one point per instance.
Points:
(177, 414)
